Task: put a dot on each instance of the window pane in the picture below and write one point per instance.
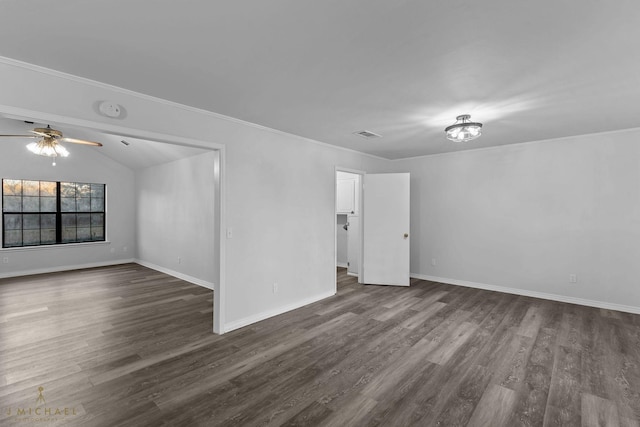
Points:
(67, 204)
(48, 235)
(68, 189)
(68, 228)
(97, 233)
(12, 187)
(30, 188)
(68, 220)
(97, 205)
(12, 204)
(83, 220)
(97, 191)
(83, 190)
(47, 188)
(48, 221)
(68, 234)
(83, 205)
(97, 220)
(30, 222)
(47, 204)
(12, 238)
(12, 222)
(83, 233)
(30, 204)
(31, 237)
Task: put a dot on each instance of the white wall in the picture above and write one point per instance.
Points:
(524, 217)
(281, 194)
(176, 217)
(267, 176)
(84, 164)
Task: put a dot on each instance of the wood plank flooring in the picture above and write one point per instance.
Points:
(128, 346)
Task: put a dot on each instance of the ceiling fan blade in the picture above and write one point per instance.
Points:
(37, 133)
(18, 136)
(81, 141)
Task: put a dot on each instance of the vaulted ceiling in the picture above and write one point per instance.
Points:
(325, 69)
(133, 153)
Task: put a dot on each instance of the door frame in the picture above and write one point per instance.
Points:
(361, 173)
(153, 136)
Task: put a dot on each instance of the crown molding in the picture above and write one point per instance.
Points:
(85, 81)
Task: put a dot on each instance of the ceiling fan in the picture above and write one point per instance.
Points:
(49, 142)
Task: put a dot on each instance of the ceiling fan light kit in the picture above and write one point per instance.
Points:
(49, 142)
(463, 129)
(47, 147)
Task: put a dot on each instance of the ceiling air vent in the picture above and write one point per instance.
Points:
(367, 134)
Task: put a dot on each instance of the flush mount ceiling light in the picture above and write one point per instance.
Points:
(463, 129)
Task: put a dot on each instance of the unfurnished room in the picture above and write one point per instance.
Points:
(296, 213)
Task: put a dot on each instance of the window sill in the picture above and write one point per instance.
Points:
(64, 245)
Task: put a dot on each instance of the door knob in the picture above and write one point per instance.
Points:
(406, 235)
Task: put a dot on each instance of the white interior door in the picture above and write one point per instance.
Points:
(353, 245)
(386, 229)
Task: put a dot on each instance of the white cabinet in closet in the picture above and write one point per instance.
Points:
(347, 196)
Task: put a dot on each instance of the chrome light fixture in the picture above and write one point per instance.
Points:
(463, 129)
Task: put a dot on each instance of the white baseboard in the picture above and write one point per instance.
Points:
(177, 274)
(228, 327)
(65, 268)
(341, 264)
(534, 294)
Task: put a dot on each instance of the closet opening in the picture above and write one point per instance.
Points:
(348, 220)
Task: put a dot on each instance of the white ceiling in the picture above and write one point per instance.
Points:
(404, 69)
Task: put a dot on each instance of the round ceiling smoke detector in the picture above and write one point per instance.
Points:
(110, 109)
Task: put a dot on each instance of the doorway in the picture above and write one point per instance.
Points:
(158, 141)
(348, 223)
(383, 241)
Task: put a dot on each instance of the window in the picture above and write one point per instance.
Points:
(38, 213)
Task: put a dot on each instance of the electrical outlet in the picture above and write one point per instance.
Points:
(179, 260)
(229, 233)
(433, 261)
(5, 260)
(573, 278)
(125, 249)
(275, 288)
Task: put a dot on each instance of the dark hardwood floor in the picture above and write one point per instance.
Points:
(128, 346)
